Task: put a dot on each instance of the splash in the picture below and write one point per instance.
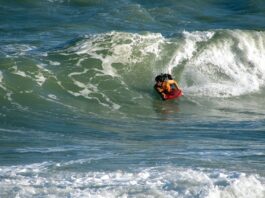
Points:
(114, 71)
(223, 63)
(168, 181)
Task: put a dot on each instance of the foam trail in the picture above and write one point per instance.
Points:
(123, 48)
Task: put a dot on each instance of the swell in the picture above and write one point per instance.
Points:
(114, 72)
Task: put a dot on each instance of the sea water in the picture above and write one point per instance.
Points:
(79, 116)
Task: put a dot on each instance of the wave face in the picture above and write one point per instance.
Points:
(114, 72)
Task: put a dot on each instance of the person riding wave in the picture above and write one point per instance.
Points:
(165, 85)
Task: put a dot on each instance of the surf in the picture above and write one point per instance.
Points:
(113, 72)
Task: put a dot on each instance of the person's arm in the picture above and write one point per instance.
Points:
(177, 85)
(167, 87)
(160, 90)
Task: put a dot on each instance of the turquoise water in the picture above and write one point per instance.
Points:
(79, 116)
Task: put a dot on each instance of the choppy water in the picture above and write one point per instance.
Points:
(79, 116)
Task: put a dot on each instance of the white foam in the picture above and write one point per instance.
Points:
(88, 89)
(55, 99)
(187, 47)
(52, 179)
(17, 49)
(1, 81)
(40, 79)
(243, 187)
(52, 96)
(19, 72)
(1, 76)
(45, 150)
(54, 63)
(221, 64)
(125, 48)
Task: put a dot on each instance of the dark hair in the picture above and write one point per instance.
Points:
(159, 78)
(163, 77)
(167, 76)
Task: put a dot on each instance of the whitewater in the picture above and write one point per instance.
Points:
(79, 116)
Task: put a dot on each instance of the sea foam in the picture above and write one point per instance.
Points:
(49, 179)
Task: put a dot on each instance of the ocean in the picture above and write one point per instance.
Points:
(79, 116)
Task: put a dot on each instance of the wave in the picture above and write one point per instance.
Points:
(220, 63)
(165, 181)
(228, 63)
(115, 71)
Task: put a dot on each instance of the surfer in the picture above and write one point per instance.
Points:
(167, 87)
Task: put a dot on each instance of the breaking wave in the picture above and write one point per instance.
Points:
(47, 179)
(115, 71)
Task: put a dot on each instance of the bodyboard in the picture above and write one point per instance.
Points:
(175, 94)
